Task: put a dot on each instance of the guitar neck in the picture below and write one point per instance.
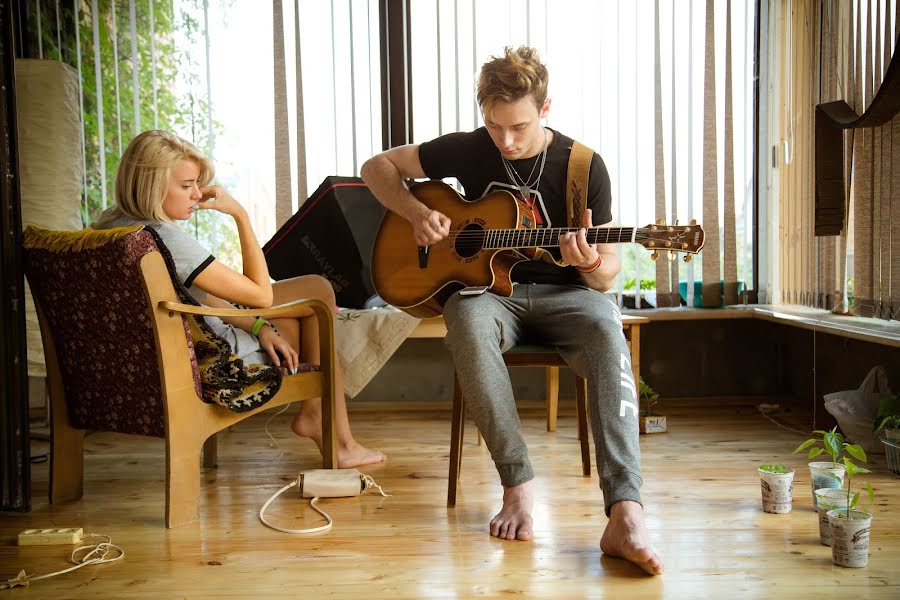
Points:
(548, 237)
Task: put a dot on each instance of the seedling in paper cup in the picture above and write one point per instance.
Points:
(853, 498)
(774, 468)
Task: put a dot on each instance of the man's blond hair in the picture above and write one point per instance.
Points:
(515, 75)
(144, 172)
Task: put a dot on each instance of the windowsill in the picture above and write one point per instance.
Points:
(866, 329)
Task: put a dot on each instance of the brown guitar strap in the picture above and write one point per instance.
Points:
(579, 171)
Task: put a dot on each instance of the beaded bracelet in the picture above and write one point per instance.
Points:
(591, 268)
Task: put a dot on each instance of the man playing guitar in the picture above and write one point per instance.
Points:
(551, 305)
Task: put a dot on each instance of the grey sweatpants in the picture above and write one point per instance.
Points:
(585, 326)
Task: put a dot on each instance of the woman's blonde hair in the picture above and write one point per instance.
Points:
(508, 78)
(145, 169)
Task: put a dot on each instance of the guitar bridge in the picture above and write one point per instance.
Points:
(423, 256)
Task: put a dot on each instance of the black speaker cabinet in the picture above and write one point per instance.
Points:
(331, 235)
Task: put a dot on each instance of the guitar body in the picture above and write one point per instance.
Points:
(453, 263)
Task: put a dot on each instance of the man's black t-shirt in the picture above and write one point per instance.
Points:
(473, 159)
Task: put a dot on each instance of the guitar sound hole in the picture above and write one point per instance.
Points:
(470, 240)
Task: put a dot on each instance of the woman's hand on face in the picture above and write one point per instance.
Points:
(278, 349)
(216, 198)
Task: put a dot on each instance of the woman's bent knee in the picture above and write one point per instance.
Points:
(305, 286)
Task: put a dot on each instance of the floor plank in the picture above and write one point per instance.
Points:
(701, 493)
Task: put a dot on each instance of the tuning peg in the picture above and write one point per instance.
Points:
(671, 256)
(660, 221)
(688, 257)
(654, 256)
(693, 221)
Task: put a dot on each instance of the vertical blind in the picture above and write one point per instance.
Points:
(832, 50)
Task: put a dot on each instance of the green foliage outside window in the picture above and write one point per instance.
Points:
(179, 97)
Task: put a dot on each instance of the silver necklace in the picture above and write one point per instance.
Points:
(525, 185)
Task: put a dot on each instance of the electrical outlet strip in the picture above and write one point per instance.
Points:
(50, 536)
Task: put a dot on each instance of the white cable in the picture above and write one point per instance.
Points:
(766, 415)
(369, 484)
(97, 555)
(312, 503)
(269, 420)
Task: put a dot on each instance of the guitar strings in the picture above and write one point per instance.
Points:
(640, 234)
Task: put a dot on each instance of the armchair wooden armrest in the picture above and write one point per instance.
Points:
(303, 307)
(295, 309)
(299, 308)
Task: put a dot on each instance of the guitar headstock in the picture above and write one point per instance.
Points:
(672, 239)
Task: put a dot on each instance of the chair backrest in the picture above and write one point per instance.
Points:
(94, 313)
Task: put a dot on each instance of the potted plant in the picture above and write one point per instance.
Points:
(777, 486)
(850, 526)
(828, 499)
(650, 422)
(825, 474)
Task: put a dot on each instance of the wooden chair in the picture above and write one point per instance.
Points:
(523, 356)
(120, 358)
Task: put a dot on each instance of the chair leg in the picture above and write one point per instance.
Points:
(581, 406)
(66, 461)
(182, 481)
(211, 452)
(552, 397)
(456, 438)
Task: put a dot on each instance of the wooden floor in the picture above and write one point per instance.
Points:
(701, 495)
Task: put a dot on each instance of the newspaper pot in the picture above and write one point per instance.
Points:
(850, 537)
(777, 491)
(825, 475)
(652, 424)
(829, 499)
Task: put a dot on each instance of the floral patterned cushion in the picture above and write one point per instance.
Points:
(92, 296)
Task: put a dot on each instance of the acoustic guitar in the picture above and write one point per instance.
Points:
(487, 238)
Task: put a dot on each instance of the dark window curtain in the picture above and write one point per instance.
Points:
(15, 489)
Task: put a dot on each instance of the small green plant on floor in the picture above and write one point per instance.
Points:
(832, 442)
(648, 398)
(779, 468)
(853, 497)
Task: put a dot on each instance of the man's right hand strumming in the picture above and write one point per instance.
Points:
(385, 174)
(430, 226)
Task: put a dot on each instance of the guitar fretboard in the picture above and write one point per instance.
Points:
(502, 239)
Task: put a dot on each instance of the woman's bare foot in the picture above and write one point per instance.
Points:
(626, 537)
(514, 522)
(350, 453)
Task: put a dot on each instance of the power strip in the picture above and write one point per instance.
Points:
(50, 536)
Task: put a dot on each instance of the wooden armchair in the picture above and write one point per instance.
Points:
(120, 358)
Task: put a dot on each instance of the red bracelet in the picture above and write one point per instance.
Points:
(593, 267)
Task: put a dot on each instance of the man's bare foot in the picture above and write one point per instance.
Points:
(350, 453)
(514, 522)
(626, 537)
